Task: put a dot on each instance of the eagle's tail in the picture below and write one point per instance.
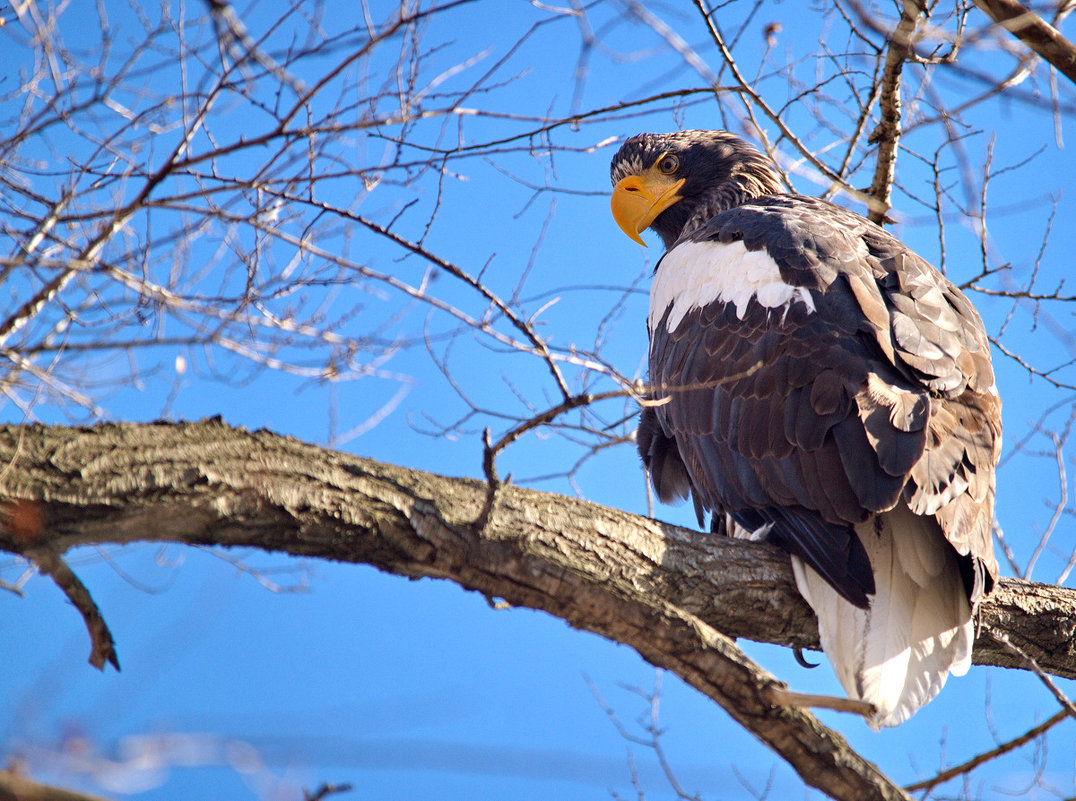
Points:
(918, 629)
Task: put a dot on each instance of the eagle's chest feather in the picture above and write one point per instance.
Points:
(695, 274)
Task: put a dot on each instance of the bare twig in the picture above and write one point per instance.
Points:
(103, 647)
(1034, 733)
(783, 697)
(325, 790)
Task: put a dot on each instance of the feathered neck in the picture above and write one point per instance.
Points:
(750, 175)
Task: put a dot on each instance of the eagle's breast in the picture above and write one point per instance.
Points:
(694, 275)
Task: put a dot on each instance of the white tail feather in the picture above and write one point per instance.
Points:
(898, 653)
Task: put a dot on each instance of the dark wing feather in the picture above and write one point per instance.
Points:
(756, 454)
(812, 421)
(661, 459)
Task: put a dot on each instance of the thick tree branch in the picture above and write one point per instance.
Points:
(1035, 32)
(661, 589)
(16, 787)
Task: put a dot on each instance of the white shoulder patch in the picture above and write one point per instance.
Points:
(695, 274)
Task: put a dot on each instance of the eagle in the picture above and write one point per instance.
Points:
(819, 385)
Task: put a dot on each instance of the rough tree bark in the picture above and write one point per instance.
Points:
(674, 596)
(16, 787)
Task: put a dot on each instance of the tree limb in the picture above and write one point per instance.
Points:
(1033, 31)
(664, 590)
(887, 134)
(16, 787)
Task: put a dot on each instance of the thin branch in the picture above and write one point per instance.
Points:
(325, 790)
(1030, 663)
(887, 134)
(964, 768)
(103, 647)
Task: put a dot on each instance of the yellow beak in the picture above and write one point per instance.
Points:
(638, 199)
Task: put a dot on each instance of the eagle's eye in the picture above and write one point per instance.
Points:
(668, 164)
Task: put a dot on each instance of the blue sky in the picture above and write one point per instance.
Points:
(418, 689)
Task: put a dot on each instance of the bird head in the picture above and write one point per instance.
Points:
(673, 182)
